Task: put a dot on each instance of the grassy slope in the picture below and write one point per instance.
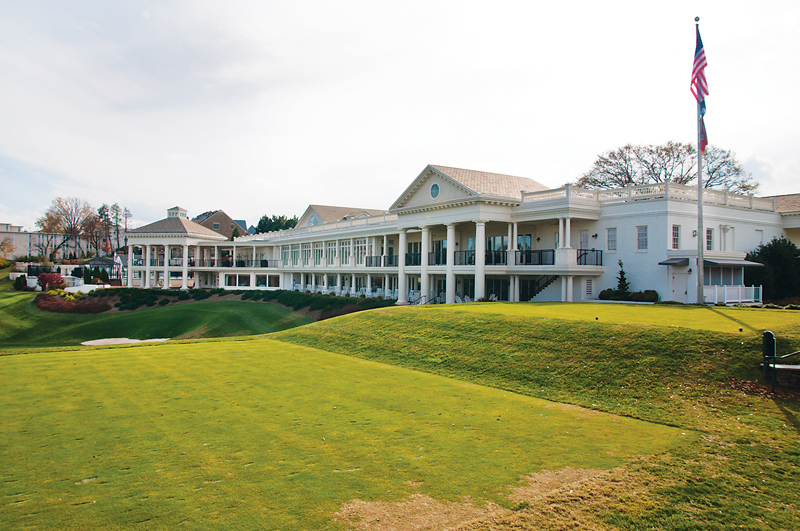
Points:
(255, 433)
(23, 326)
(745, 471)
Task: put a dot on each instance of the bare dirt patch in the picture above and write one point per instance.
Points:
(542, 483)
(421, 512)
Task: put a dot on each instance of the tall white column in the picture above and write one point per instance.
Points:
(252, 279)
(480, 260)
(130, 262)
(166, 267)
(510, 240)
(567, 235)
(369, 282)
(185, 269)
(516, 288)
(384, 253)
(425, 280)
(339, 283)
(563, 289)
(569, 288)
(402, 291)
(146, 282)
(221, 279)
(450, 281)
(352, 283)
(352, 256)
(560, 233)
(515, 243)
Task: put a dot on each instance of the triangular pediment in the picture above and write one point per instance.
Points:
(432, 182)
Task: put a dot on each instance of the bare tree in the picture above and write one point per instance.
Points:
(94, 231)
(673, 162)
(66, 216)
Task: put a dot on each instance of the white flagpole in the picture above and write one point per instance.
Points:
(700, 234)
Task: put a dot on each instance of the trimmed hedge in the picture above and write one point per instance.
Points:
(648, 295)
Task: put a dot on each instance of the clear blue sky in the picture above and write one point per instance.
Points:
(264, 107)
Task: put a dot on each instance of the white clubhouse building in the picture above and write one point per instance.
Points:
(461, 235)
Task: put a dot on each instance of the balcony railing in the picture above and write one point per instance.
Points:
(157, 262)
(496, 257)
(535, 257)
(590, 257)
(373, 261)
(464, 258)
(413, 259)
(437, 258)
(391, 260)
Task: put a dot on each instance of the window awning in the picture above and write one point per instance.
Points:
(718, 262)
(731, 263)
(675, 262)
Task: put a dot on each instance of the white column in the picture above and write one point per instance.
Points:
(252, 279)
(338, 283)
(130, 261)
(515, 245)
(352, 283)
(369, 282)
(450, 282)
(425, 280)
(568, 235)
(185, 270)
(383, 254)
(480, 260)
(563, 289)
(516, 288)
(221, 279)
(146, 282)
(166, 267)
(402, 292)
(560, 233)
(569, 288)
(352, 256)
(510, 241)
(313, 280)
(385, 283)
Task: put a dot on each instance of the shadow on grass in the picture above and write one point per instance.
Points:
(737, 321)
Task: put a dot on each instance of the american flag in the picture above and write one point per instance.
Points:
(699, 84)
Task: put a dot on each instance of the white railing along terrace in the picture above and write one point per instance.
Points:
(666, 190)
(365, 221)
(732, 294)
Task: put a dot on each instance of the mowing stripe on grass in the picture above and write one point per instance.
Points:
(266, 434)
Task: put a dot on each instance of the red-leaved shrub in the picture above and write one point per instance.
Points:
(50, 279)
(52, 303)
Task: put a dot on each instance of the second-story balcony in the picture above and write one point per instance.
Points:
(496, 257)
(535, 257)
(373, 261)
(437, 258)
(590, 257)
(391, 260)
(413, 259)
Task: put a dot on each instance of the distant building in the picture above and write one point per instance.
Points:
(221, 223)
(458, 235)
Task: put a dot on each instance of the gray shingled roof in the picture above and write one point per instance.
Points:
(176, 226)
(492, 184)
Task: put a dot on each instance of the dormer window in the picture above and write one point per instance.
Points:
(434, 190)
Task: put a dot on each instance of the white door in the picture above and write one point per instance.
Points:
(680, 287)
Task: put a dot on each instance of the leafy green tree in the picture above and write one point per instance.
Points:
(235, 234)
(780, 276)
(270, 224)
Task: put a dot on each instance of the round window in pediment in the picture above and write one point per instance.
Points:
(313, 220)
(435, 190)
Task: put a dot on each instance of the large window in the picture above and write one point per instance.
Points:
(360, 250)
(641, 238)
(344, 252)
(676, 236)
(584, 234)
(612, 240)
(709, 239)
(330, 255)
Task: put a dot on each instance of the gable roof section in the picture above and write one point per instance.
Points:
(330, 214)
(178, 226)
(476, 183)
(786, 203)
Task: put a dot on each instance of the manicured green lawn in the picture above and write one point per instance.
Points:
(262, 434)
(744, 472)
(23, 326)
(713, 318)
